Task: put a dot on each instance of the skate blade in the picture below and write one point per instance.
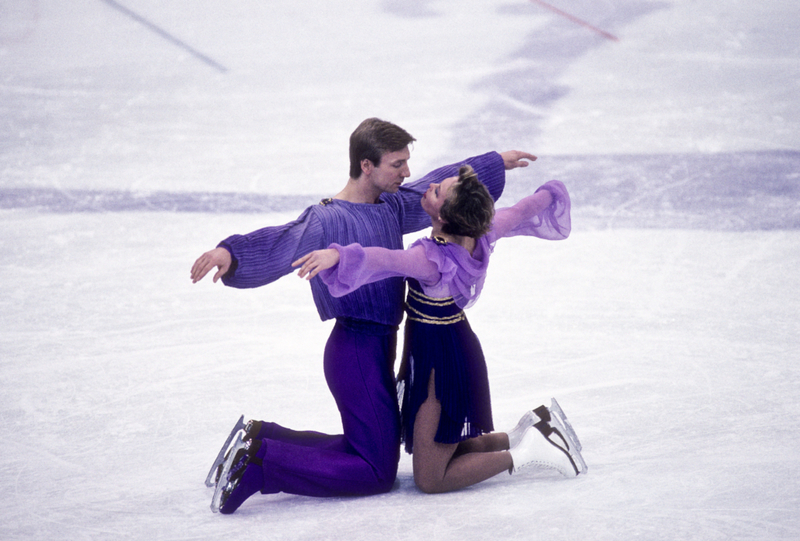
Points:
(555, 409)
(210, 478)
(238, 444)
(574, 449)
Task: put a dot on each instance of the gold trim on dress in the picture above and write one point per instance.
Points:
(431, 301)
(433, 320)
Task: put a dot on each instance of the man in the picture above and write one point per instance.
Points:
(373, 209)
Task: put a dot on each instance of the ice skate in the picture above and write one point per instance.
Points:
(529, 419)
(563, 434)
(545, 446)
(244, 482)
(252, 430)
(556, 412)
(230, 459)
(214, 472)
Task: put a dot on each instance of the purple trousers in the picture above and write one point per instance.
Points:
(359, 369)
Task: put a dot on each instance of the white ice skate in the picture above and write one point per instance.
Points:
(529, 419)
(543, 413)
(557, 413)
(545, 451)
(550, 446)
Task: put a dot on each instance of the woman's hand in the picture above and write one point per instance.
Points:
(313, 262)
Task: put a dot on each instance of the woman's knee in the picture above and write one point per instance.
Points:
(428, 483)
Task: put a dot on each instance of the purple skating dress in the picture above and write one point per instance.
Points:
(443, 280)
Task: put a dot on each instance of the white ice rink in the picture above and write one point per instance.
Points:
(667, 325)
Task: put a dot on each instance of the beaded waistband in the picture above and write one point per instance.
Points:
(431, 310)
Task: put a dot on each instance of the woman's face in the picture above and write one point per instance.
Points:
(434, 198)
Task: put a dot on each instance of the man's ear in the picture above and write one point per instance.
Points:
(367, 166)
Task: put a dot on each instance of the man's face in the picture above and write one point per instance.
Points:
(392, 171)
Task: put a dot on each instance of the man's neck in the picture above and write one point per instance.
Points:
(358, 192)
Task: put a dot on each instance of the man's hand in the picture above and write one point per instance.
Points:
(514, 158)
(218, 257)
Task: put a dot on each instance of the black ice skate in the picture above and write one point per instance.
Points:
(216, 467)
(235, 453)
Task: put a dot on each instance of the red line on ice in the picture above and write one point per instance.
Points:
(576, 20)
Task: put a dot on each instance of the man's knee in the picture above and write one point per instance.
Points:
(387, 475)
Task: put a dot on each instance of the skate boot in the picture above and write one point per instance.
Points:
(242, 483)
(236, 463)
(252, 429)
(233, 452)
(529, 419)
(547, 447)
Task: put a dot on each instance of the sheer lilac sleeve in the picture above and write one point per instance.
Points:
(545, 214)
(359, 266)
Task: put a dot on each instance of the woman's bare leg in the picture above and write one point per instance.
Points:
(437, 467)
(486, 443)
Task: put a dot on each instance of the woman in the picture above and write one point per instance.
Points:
(447, 420)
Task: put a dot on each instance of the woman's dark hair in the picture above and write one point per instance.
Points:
(469, 209)
(372, 139)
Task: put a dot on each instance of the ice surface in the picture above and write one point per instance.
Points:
(666, 325)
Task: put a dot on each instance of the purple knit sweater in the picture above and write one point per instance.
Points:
(265, 255)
